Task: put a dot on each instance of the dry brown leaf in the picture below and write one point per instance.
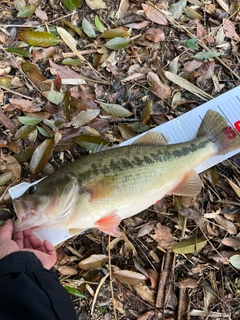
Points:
(83, 117)
(138, 25)
(93, 262)
(154, 15)
(188, 283)
(163, 236)
(9, 163)
(155, 35)
(224, 223)
(192, 65)
(222, 256)
(161, 90)
(25, 105)
(231, 242)
(129, 277)
(229, 29)
(41, 14)
(68, 271)
(146, 293)
(235, 187)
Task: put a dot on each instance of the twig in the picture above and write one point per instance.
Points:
(97, 292)
(17, 93)
(174, 22)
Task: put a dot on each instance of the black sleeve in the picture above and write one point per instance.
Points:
(30, 292)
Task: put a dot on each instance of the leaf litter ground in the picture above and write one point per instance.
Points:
(100, 73)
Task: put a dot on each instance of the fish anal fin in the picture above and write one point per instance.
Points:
(190, 186)
(100, 188)
(109, 224)
(154, 138)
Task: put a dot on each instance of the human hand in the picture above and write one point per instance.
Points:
(26, 241)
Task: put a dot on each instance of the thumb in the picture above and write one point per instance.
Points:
(6, 230)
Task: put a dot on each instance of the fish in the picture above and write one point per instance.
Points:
(101, 189)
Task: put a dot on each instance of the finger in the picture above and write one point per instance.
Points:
(36, 243)
(6, 230)
(19, 239)
(50, 248)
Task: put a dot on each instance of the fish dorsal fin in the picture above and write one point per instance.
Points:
(151, 138)
(190, 186)
(109, 224)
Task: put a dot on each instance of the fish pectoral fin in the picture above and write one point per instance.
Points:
(154, 138)
(190, 186)
(109, 224)
(100, 188)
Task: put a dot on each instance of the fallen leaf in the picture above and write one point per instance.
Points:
(187, 85)
(154, 15)
(161, 90)
(96, 4)
(88, 28)
(113, 33)
(176, 9)
(72, 4)
(229, 29)
(93, 262)
(38, 38)
(68, 271)
(70, 42)
(235, 261)
(9, 163)
(231, 242)
(155, 35)
(25, 105)
(115, 110)
(189, 245)
(118, 43)
(41, 155)
(122, 10)
(129, 277)
(163, 236)
(223, 256)
(225, 223)
(235, 187)
(146, 112)
(41, 14)
(138, 25)
(192, 14)
(83, 117)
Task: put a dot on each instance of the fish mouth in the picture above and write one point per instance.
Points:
(27, 218)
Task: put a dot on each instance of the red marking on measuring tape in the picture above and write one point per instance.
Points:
(237, 125)
(229, 132)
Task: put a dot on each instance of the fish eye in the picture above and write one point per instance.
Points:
(31, 190)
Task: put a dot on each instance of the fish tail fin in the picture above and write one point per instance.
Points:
(218, 131)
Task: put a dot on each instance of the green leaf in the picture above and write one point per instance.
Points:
(177, 8)
(189, 246)
(72, 4)
(38, 38)
(74, 28)
(235, 261)
(30, 121)
(207, 55)
(118, 43)
(88, 28)
(71, 62)
(41, 155)
(191, 43)
(27, 11)
(19, 51)
(99, 25)
(74, 292)
(138, 127)
(24, 131)
(43, 132)
(90, 143)
(55, 97)
(115, 110)
(96, 4)
(25, 155)
(115, 33)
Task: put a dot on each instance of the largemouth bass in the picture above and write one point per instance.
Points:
(99, 190)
